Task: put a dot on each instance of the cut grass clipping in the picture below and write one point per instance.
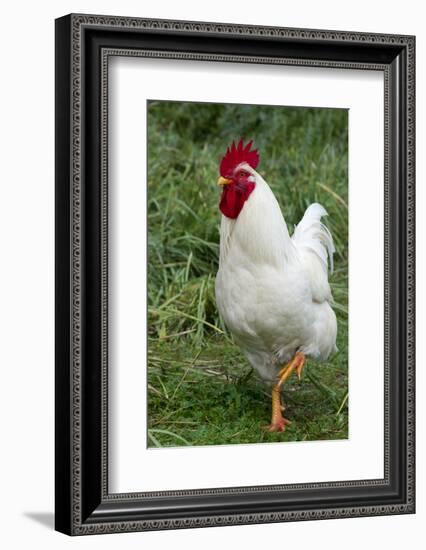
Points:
(201, 390)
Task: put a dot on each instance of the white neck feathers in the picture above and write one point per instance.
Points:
(259, 231)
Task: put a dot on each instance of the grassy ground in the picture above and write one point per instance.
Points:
(201, 390)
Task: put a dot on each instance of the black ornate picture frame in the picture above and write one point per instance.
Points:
(84, 43)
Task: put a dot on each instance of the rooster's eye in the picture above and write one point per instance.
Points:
(242, 174)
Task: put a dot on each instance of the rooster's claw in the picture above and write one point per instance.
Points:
(277, 426)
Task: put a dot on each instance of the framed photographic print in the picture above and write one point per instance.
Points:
(234, 274)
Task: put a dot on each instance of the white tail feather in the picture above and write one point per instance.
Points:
(311, 234)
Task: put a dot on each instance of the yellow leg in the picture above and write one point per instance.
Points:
(278, 422)
(297, 364)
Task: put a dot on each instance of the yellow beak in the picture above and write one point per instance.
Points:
(223, 181)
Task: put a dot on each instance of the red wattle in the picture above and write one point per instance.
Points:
(233, 199)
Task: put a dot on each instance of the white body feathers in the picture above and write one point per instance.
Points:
(272, 290)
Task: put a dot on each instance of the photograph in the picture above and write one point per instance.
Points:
(247, 275)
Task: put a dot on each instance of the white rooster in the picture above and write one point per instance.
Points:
(272, 290)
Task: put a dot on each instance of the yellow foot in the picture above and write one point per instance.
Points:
(278, 425)
(278, 422)
(299, 364)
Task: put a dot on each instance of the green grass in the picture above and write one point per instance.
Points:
(201, 390)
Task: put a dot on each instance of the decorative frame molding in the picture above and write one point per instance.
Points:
(84, 43)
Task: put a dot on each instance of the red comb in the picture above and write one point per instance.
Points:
(235, 155)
